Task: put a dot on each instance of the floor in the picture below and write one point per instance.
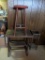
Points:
(34, 54)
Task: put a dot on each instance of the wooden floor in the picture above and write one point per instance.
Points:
(38, 54)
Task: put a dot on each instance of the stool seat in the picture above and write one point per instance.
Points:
(20, 7)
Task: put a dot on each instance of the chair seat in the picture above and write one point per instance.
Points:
(10, 32)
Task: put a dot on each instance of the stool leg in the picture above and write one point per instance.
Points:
(9, 47)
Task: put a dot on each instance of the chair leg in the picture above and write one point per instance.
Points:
(26, 47)
(37, 43)
(29, 44)
(26, 50)
(9, 49)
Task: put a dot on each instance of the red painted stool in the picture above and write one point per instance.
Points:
(21, 26)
